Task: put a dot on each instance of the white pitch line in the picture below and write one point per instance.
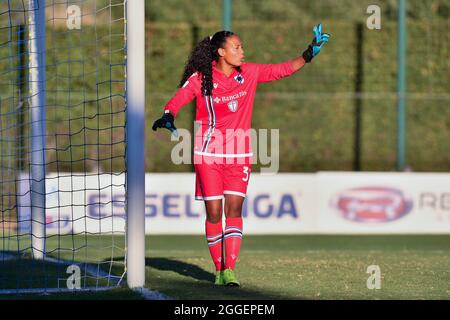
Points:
(151, 295)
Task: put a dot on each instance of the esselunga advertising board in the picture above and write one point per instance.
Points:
(284, 203)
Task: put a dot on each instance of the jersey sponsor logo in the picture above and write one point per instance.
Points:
(233, 105)
(239, 78)
(234, 96)
(216, 100)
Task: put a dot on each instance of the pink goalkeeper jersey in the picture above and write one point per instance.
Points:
(225, 117)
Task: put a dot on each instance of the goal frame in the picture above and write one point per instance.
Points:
(135, 134)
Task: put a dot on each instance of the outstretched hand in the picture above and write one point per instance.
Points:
(317, 43)
(166, 121)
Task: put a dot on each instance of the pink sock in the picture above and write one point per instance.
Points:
(233, 238)
(214, 234)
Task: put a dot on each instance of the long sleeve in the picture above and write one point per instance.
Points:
(184, 95)
(272, 72)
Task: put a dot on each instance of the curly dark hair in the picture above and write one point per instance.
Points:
(201, 58)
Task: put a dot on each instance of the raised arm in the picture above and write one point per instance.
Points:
(271, 72)
(319, 40)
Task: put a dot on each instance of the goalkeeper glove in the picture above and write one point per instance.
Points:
(166, 121)
(319, 40)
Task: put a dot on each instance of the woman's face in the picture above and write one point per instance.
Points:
(233, 52)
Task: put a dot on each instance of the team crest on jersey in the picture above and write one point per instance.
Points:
(215, 85)
(233, 105)
(239, 78)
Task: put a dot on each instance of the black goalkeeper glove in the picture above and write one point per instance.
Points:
(318, 42)
(166, 121)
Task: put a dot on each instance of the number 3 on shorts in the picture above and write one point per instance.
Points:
(246, 173)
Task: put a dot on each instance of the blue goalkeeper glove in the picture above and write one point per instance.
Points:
(318, 42)
(166, 121)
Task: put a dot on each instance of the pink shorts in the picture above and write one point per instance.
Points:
(214, 180)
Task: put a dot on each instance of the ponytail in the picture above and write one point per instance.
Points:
(200, 61)
(201, 58)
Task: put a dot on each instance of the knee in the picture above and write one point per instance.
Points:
(233, 211)
(214, 217)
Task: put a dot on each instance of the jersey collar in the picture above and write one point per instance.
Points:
(220, 73)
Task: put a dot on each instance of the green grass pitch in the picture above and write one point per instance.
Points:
(295, 267)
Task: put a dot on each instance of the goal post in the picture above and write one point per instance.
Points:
(37, 87)
(135, 95)
(72, 126)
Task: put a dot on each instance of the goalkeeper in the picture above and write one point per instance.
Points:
(224, 87)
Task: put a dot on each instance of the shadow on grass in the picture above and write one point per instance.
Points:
(180, 267)
(197, 283)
